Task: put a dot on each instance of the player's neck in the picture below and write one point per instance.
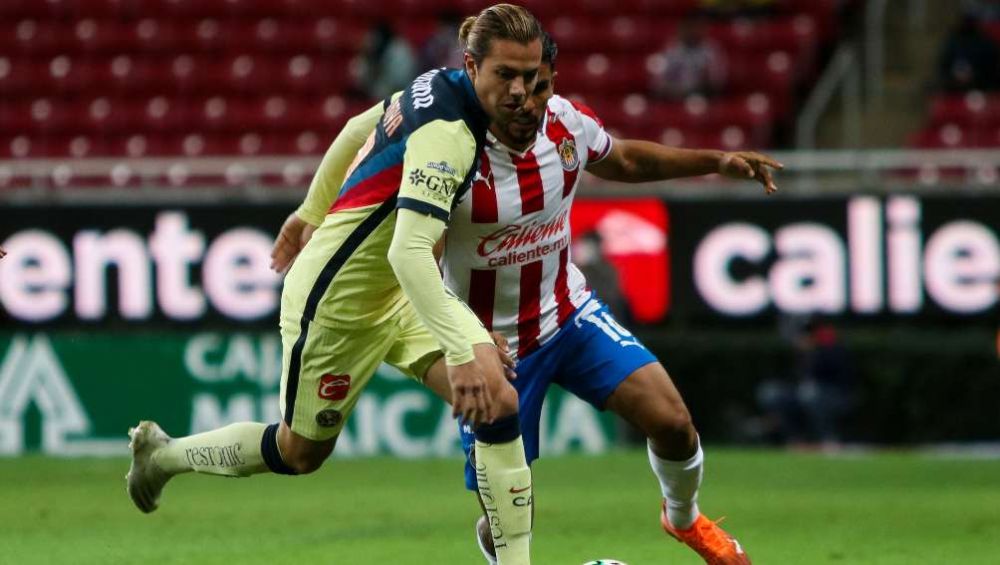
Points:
(510, 144)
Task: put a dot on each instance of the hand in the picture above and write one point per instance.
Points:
(470, 393)
(503, 351)
(750, 165)
(294, 235)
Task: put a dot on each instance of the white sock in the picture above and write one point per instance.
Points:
(679, 482)
(233, 451)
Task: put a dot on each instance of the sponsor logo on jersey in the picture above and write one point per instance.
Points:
(329, 418)
(520, 236)
(437, 187)
(567, 155)
(334, 387)
(443, 167)
(486, 180)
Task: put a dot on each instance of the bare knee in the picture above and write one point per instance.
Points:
(505, 401)
(303, 455)
(672, 434)
(670, 426)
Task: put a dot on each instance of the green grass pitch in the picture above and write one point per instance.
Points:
(786, 509)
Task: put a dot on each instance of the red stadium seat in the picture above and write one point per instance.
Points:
(165, 114)
(67, 75)
(944, 137)
(332, 35)
(992, 29)
(20, 76)
(37, 37)
(972, 109)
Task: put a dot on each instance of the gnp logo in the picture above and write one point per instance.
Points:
(334, 387)
(633, 236)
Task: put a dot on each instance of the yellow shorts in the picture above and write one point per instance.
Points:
(325, 370)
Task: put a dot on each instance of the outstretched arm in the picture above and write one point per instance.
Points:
(633, 161)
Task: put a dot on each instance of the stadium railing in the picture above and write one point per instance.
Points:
(282, 178)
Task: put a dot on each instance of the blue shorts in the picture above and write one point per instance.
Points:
(589, 357)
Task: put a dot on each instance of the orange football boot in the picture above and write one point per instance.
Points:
(707, 539)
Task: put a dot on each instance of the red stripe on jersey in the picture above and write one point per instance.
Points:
(565, 307)
(559, 135)
(529, 179)
(482, 289)
(587, 111)
(530, 308)
(372, 190)
(484, 195)
(594, 156)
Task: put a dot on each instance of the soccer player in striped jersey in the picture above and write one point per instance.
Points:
(366, 289)
(507, 254)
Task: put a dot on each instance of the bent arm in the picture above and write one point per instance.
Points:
(412, 258)
(437, 158)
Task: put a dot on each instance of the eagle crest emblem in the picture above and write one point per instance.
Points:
(567, 155)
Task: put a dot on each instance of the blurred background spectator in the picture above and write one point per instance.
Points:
(969, 59)
(983, 9)
(443, 49)
(694, 64)
(386, 64)
(601, 276)
(812, 407)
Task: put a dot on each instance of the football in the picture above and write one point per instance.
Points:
(605, 562)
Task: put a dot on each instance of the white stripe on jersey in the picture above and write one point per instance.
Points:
(507, 250)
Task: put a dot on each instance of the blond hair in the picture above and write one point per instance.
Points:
(499, 21)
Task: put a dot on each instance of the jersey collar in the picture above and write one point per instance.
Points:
(471, 100)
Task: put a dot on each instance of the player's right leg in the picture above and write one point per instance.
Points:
(502, 474)
(533, 377)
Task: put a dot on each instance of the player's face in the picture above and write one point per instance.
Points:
(505, 78)
(521, 131)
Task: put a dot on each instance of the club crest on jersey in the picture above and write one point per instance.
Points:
(334, 387)
(567, 155)
(329, 418)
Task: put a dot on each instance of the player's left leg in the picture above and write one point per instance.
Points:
(323, 373)
(649, 400)
(612, 370)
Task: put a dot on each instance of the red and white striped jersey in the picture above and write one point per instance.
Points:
(507, 251)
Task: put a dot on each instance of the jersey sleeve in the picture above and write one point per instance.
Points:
(329, 177)
(411, 255)
(437, 159)
(597, 138)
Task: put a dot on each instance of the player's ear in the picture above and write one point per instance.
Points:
(470, 66)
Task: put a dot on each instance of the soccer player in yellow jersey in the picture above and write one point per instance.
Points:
(366, 289)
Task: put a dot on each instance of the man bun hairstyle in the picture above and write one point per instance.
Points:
(500, 21)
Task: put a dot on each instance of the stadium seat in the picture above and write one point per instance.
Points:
(19, 76)
(973, 108)
(947, 136)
